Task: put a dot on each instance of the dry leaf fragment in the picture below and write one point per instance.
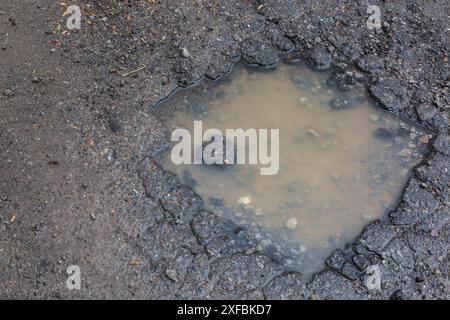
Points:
(134, 262)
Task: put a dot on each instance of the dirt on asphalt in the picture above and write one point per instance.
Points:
(79, 185)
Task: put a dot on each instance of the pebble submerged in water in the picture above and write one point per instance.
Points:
(291, 223)
(245, 200)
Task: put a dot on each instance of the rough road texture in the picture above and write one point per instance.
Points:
(78, 184)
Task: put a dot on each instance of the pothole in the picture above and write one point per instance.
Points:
(342, 162)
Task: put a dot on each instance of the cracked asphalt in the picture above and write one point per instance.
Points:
(79, 184)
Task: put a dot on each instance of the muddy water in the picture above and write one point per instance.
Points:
(343, 162)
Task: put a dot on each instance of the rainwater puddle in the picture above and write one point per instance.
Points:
(343, 162)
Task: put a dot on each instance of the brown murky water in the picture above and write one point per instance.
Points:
(340, 168)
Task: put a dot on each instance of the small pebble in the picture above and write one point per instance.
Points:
(245, 200)
(185, 53)
(374, 118)
(291, 223)
(172, 275)
(424, 139)
(258, 212)
(265, 243)
(405, 152)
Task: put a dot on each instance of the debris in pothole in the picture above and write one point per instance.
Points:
(291, 223)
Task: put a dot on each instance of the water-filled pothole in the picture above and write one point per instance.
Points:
(343, 162)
